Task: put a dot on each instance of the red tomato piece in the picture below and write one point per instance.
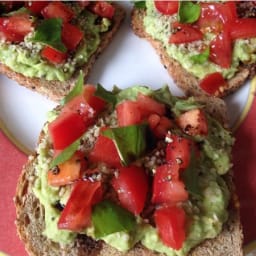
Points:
(243, 28)
(65, 129)
(131, 185)
(185, 34)
(193, 122)
(53, 55)
(163, 127)
(148, 105)
(71, 36)
(167, 7)
(67, 172)
(178, 150)
(57, 10)
(79, 106)
(214, 15)
(167, 187)
(36, 6)
(15, 28)
(77, 212)
(128, 113)
(221, 49)
(170, 223)
(95, 102)
(104, 9)
(105, 151)
(213, 82)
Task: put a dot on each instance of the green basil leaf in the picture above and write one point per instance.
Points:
(108, 96)
(191, 176)
(202, 57)
(65, 154)
(140, 4)
(189, 12)
(131, 141)
(109, 218)
(77, 89)
(49, 32)
(164, 95)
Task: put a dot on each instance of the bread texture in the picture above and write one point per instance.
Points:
(30, 220)
(185, 80)
(56, 90)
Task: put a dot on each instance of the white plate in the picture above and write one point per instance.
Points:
(127, 61)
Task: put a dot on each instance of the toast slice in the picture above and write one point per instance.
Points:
(56, 90)
(184, 79)
(30, 218)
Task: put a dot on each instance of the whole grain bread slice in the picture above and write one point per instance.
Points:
(56, 90)
(185, 80)
(30, 219)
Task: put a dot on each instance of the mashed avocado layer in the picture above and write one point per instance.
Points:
(206, 207)
(25, 57)
(159, 27)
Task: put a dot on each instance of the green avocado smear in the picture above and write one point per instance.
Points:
(25, 57)
(204, 180)
(159, 27)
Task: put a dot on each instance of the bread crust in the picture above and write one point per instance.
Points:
(30, 219)
(185, 80)
(56, 90)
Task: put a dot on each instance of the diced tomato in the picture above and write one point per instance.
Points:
(53, 55)
(77, 213)
(105, 151)
(193, 122)
(213, 82)
(36, 6)
(131, 185)
(178, 150)
(15, 28)
(57, 10)
(243, 28)
(167, 7)
(185, 33)
(128, 113)
(65, 129)
(170, 223)
(221, 49)
(95, 102)
(148, 105)
(214, 16)
(79, 106)
(167, 187)
(71, 36)
(163, 127)
(67, 172)
(104, 9)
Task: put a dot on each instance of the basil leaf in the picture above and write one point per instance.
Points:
(183, 105)
(108, 96)
(140, 4)
(189, 12)
(108, 218)
(164, 95)
(77, 90)
(202, 57)
(65, 154)
(191, 176)
(49, 32)
(130, 141)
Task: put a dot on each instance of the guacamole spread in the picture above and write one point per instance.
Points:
(206, 207)
(25, 57)
(159, 27)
